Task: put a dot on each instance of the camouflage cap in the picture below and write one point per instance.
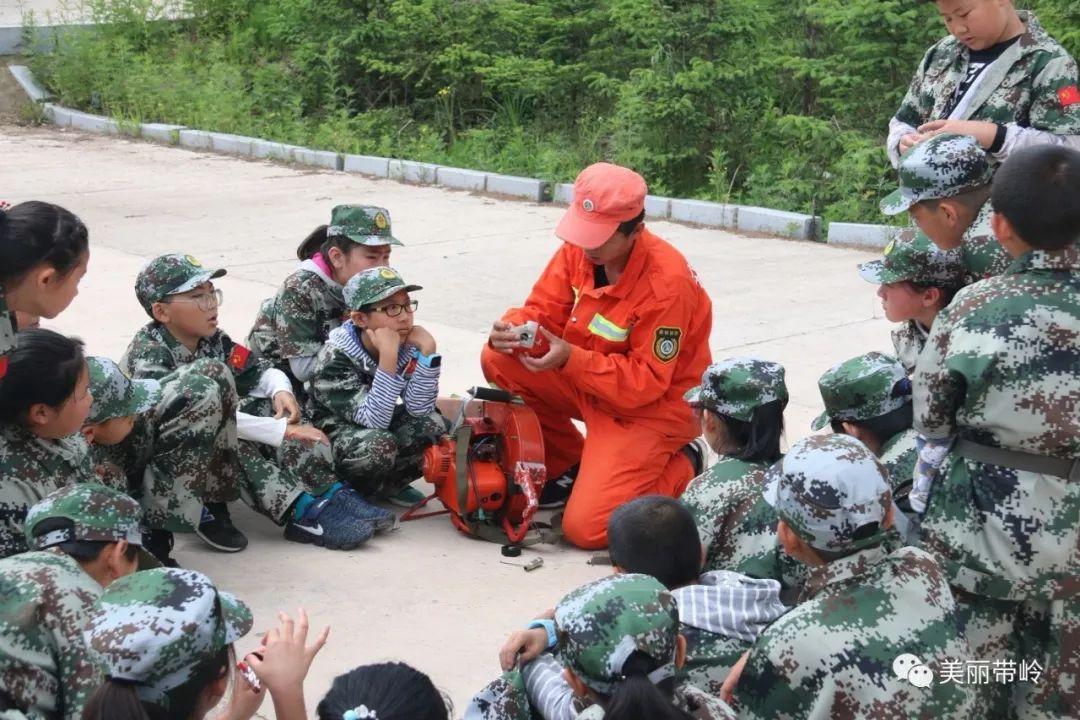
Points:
(97, 513)
(736, 386)
(829, 489)
(944, 166)
(911, 256)
(116, 395)
(363, 224)
(373, 285)
(153, 627)
(861, 388)
(602, 623)
(170, 275)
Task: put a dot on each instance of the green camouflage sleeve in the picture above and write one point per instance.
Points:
(246, 367)
(916, 106)
(298, 324)
(937, 390)
(1055, 102)
(147, 360)
(337, 386)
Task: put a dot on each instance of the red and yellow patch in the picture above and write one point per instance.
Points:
(238, 358)
(3, 365)
(1068, 96)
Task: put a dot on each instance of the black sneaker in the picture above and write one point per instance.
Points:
(159, 543)
(557, 491)
(697, 450)
(217, 531)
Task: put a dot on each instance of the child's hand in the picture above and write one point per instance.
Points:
(307, 434)
(422, 340)
(285, 406)
(245, 701)
(727, 690)
(386, 341)
(523, 646)
(285, 661)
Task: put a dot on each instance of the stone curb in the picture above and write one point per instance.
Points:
(861, 234)
(25, 78)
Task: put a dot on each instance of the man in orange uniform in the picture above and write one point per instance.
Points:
(628, 326)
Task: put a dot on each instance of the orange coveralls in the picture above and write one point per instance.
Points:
(637, 346)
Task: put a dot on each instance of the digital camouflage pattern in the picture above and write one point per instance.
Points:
(373, 285)
(864, 387)
(827, 489)
(115, 395)
(944, 166)
(737, 386)
(153, 627)
(899, 455)
(170, 275)
(832, 655)
(908, 340)
(45, 669)
(983, 255)
(1002, 368)
(1024, 88)
(270, 478)
(97, 514)
(912, 257)
(363, 224)
(31, 468)
(297, 320)
(181, 454)
(697, 703)
(737, 527)
(8, 342)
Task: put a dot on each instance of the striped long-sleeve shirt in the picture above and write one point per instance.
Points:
(348, 384)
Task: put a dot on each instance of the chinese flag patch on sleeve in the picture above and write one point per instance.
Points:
(3, 365)
(1069, 96)
(238, 358)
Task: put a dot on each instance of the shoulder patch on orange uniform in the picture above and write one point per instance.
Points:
(666, 343)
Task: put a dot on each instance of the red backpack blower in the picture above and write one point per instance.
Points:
(488, 469)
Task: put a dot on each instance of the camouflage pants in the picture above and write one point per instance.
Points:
(1008, 631)
(273, 478)
(381, 462)
(192, 442)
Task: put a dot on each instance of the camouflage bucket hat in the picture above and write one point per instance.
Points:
(830, 489)
(153, 627)
(737, 386)
(97, 513)
(944, 166)
(171, 275)
(603, 623)
(372, 285)
(861, 388)
(911, 256)
(363, 224)
(115, 395)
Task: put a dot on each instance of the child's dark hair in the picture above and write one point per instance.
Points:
(82, 550)
(655, 535)
(628, 226)
(340, 242)
(948, 292)
(37, 232)
(44, 368)
(312, 243)
(118, 699)
(394, 690)
(637, 698)
(1036, 191)
(883, 427)
(760, 437)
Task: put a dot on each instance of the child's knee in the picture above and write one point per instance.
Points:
(371, 455)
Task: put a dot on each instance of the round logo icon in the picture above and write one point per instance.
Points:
(388, 274)
(921, 676)
(902, 665)
(192, 261)
(587, 205)
(381, 222)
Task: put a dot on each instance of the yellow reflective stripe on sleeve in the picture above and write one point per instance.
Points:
(608, 330)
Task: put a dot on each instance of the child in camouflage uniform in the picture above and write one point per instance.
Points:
(998, 78)
(916, 281)
(945, 188)
(833, 655)
(82, 537)
(740, 403)
(43, 402)
(1001, 376)
(293, 325)
(362, 371)
(285, 467)
(171, 443)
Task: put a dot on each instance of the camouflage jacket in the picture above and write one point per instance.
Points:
(832, 655)
(1001, 368)
(1027, 86)
(983, 255)
(122, 465)
(737, 527)
(696, 703)
(7, 331)
(908, 340)
(154, 353)
(899, 455)
(298, 319)
(44, 669)
(31, 468)
(349, 388)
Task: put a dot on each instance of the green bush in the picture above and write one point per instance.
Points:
(782, 103)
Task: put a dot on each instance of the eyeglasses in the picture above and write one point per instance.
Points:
(394, 309)
(206, 302)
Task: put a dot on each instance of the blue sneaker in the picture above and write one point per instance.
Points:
(328, 522)
(406, 497)
(383, 520)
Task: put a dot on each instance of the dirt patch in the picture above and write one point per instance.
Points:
(12, 97)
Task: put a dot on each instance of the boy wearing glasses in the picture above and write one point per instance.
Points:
(285, 468)
(365, 367)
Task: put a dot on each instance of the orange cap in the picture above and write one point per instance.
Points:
(605, 195)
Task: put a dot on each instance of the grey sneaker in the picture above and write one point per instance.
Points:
(382, 520)
(406, 497)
